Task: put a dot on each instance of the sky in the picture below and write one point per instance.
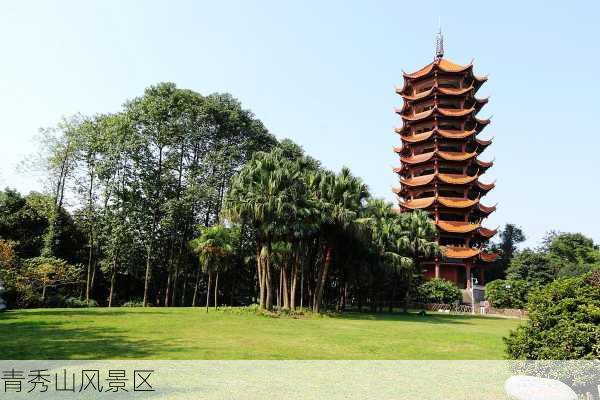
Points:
(322, 73)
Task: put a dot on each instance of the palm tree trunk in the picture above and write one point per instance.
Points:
(301, 287)
(323, 279)
(208, 290)
(260, 270)
(216, 288)
(196, 288)
(268, 280)
(278, 300)
(285, 289)
(293, 283)
(391, 305)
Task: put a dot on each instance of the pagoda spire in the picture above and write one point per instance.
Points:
(439, 42)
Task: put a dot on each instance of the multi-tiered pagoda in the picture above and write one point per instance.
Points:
(440, 168)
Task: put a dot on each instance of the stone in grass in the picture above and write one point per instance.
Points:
(533, 388)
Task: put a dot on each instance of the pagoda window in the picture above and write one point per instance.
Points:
(452, 241)
(425, 150)
(423, 129)
(449, 147)
(449, 104)
(452, 217)
(450, 170)
(426, 194)
(449, 84)
(450, 193)
(450, 126)
(422, 172)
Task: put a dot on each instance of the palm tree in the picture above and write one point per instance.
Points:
(263, 194)
(340, 198)
(385, 230)
(418, 240)
(213, 246)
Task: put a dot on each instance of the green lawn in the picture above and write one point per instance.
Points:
(186, 333)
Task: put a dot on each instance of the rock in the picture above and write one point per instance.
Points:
(533, 388)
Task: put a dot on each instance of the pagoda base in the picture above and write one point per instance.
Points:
(455, 272)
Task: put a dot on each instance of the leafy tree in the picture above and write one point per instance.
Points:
(510, 293)
(42, 273)
(214, 246)
(563, 324)
(532, 266)
(339, 198)
(439, 291)
(419, 242)
(510, 237)
(572, 253)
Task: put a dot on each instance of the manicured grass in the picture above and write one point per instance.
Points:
(187, 333)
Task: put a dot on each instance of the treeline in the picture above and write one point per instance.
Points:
(178, 194)
(521, 272)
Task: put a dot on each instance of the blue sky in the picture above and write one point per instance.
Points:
(323, 74)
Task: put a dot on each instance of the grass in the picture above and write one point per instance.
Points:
(191, 333)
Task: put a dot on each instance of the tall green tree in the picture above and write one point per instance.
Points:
(339, 198)
(214, 247)
(418, 241)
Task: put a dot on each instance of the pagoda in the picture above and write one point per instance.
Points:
(440, 168)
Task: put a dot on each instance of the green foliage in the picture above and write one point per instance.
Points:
(134, 303)
(510, 293)
(564, 322)
(532, 266)
(510, 237)
(439, 291)
(214, 245)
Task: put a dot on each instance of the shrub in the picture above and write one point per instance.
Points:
(510, 293)
(134, 303)
(74, 302)
(439, 291)
(564, 324)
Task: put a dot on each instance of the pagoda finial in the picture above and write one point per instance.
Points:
(439, 42)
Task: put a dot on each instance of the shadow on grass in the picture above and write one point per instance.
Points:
(79, 312)
(24, 339)
(429, 318)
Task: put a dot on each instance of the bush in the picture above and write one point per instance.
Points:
(74, 302)
(134, 303)
(564, 324)
(439, 291)
(508, 293)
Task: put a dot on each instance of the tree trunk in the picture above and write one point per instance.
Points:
(216, 288)
(301, 287)
(185, 278)
(268, 278)
(286, 289)
(147, 275)
(293, 283)
(391, 305)
(112, 287)
(168, 289)
(260, 270)
(323, 279)
(196, 288)
(88, 282)
(208, 290)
